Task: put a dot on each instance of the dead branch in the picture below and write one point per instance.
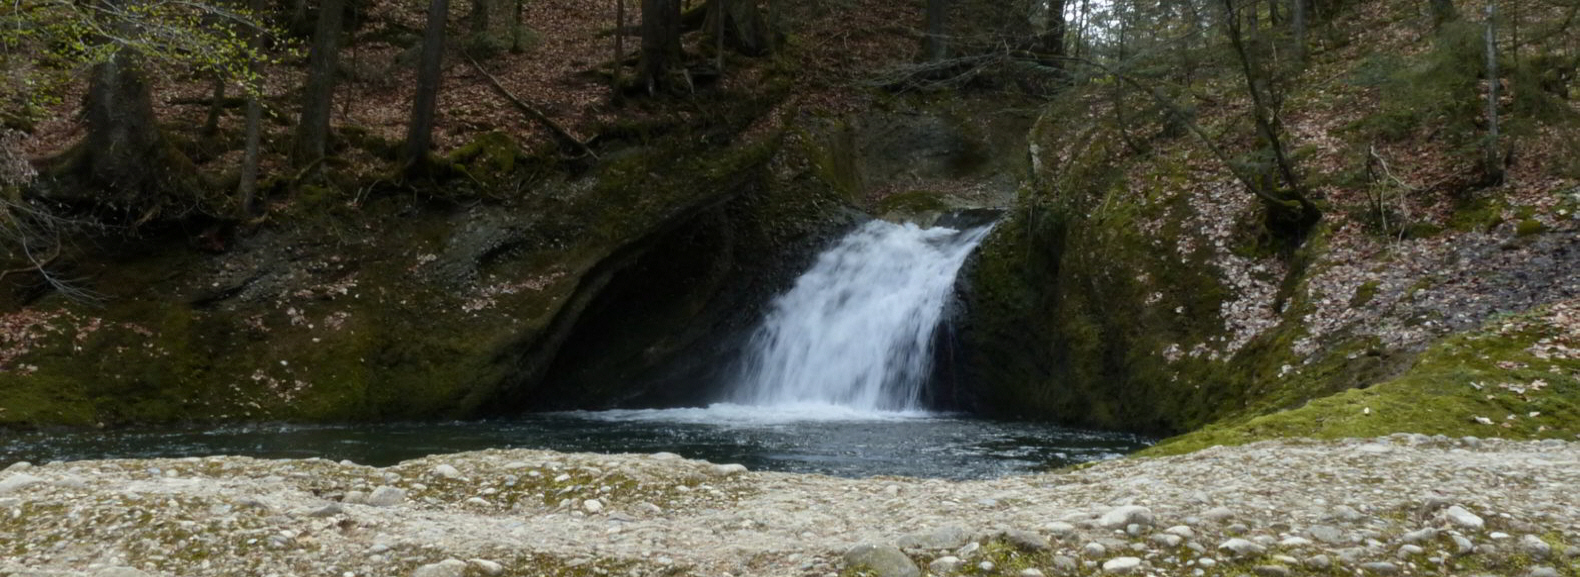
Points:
(564, 136)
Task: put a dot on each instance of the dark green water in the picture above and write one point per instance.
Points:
(842, 444)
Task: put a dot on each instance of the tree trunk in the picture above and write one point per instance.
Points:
(216, 108)
(312, 133)
(1494, 154)
(619, 50)
(1443, 11)
(430, 70)
(660, 43)
(495, 27)
(742, 27)
(247, 189)
(936, 47)
(1051, 43)
(135, 170)
(1299, 13)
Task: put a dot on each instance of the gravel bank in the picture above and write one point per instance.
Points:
(1402, 505)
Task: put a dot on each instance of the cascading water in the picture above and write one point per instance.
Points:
(856, 331)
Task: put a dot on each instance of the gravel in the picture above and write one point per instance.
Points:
(1341, 507)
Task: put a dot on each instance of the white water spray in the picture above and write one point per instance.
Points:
(856, 331)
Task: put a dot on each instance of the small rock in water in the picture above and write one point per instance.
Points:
(882, 560)
(386, 496)
(1121, 565)
(445, 568)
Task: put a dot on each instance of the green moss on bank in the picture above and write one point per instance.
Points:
(1500, 382)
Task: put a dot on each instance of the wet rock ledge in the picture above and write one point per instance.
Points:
(1400, 505)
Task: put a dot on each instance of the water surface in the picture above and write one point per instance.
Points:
(808, 439)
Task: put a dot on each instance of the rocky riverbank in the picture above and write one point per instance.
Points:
(1401, 505)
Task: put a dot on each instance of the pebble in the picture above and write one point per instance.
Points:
(1543, 572)
(486, 567)
(1218, 514)
(446, 472)
(445, 568)
(1065, 564)
(1242, 547)
(1094, 550)
(1408, 551)
(1183, 531)
(728, 470)
(1031, 572)
(1059, 529)
(1463, 546)
(1026, 540)
(1463, 518)
(593, 506)
(1294, 542)
(1271, 570)
(1320, 562)
(1121, 565)
(1120, 517)
(329, 510)
(386, 496)
(1419, 536)
(1535, 547)
(881, 560)
(17, 482)
(1327, 534)
(947, 537)
(1380, 568)
(945, 565)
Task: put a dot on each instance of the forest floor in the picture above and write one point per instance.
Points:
(1400, 505)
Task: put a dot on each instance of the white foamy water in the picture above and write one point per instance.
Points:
(854, 337)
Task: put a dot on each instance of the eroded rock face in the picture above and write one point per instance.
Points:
(404, 308)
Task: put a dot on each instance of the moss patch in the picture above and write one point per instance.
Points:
(1503, 381)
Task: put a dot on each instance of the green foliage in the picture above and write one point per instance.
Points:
(1439, 91)
(45, 43)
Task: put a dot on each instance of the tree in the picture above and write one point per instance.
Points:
(495, 27)
(936, 47)
(661, 53)
(419, 133)
(312, 132)
(247, 188)
(738, 24)
(1290, 212)
(1494, 154)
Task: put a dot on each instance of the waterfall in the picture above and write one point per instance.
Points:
(856, 331)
